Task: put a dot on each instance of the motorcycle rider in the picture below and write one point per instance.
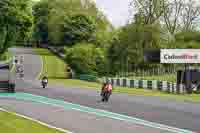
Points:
(21, 71)
(44, 81)
(106, 91)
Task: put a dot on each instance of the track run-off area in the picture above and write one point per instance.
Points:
(79, 110)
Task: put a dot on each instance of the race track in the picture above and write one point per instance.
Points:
(168, 112)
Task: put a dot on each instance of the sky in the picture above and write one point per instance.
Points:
(115, 10)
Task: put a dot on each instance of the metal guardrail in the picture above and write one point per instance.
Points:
(86, 77)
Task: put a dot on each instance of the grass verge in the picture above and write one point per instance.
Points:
(10, 123)
(52, 65)
(49, 67)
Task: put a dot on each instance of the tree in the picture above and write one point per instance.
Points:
(147, 17)
(16, 22)
(41, 12)
(180, 15)
(58, 11)
(103, 39)
(78, 28)
(85, 58)
(151, 10)
(191, 12)
(172, 12)
(53, 17)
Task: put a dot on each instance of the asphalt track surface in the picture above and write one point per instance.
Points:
(78, 122)
(168, 112)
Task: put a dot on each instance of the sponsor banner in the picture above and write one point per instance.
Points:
(180, 56)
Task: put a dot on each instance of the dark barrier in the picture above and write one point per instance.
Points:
(118, 82)
(124, 83)
(132, 83)
(152, 55)
(140, 84)
(4, 84)
(149, 85)
(11, 88)
(112, 81)
(159, 84)
(88, 77)
(5, 78)
(188, 77)
(168, 87)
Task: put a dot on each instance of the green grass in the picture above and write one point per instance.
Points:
(52, 65)
(49, 59)
(10, 123)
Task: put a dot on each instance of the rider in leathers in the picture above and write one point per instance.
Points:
(106, 91)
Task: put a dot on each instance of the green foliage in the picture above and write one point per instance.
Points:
(188, 36)
(69, 23)
(184, 40)
(4, 57)
(40, 12)
(193, 44)
(62, 22)
(15, 22)
(58, 10)
(104, 39)
(78, 28)
(129, 43)
(86, 59)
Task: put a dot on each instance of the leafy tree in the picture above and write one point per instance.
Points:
(15, 22)
(103, 39)
(40, 12)
(78, 28)
(150, 10)
(127, 47)
(87, 59)
(180, 15)
(53, 18)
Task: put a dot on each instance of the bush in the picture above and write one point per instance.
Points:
(188, 36)
(4, 56)
(86, 59)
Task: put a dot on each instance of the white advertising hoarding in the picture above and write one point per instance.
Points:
(173, 56)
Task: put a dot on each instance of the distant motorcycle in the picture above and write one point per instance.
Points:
(44, 83)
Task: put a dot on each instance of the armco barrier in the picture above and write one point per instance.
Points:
(164, 86)
(87, 77)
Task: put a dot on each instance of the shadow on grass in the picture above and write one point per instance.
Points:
(35, 53)
(55, 77)
(44, 53)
